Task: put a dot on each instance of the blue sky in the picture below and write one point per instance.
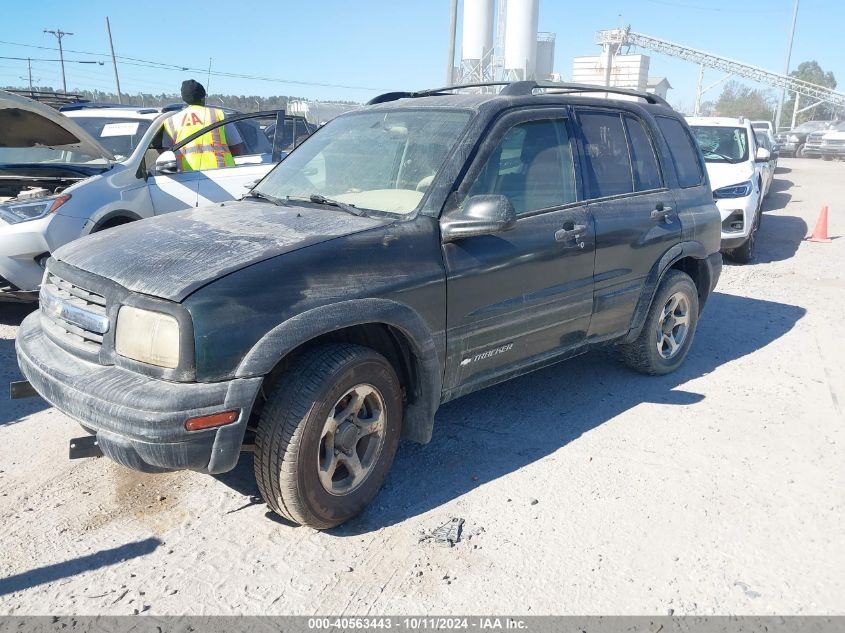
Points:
(377, 45)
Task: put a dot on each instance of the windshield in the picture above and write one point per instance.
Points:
(382, 161)
(41, 154)
(119, 136)
(812, 126)
(722, 144)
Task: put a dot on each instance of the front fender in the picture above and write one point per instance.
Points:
(423, 395)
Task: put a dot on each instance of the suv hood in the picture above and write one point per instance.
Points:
(171, 256)
(27, 123)
(726, 174)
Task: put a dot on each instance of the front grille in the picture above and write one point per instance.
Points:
(814, 140)
(73, 314)
(835, 142)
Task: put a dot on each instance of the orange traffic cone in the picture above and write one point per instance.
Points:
(820, 232)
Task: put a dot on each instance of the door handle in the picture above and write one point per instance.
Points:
(661, 212)
(563, 235)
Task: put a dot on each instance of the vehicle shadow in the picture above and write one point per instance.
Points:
(779, 238)
(75, 566)
(779, 195)
(782, 170)
(499, 430)
(12, 411)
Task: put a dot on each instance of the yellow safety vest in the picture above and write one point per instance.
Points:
(209, 151)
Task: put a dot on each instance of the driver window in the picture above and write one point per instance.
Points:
(532, 165)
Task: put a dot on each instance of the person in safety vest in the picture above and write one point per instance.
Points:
(214, 149)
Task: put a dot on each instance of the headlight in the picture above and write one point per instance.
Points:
(793, 138)
(148, 337)
(14, 212)
(734, 191)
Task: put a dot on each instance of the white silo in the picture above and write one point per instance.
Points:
(545, 65)
(476, 40)
(521, 39)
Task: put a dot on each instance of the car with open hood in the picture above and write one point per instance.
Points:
(94, 167)
(423, 247)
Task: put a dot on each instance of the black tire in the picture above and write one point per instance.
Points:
(110, 224)
(745, 253)
(642, 354)
(289, 441)
(799, 152)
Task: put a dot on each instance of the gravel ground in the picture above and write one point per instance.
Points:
(585, 488)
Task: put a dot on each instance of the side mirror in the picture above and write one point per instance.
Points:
(763, 155)
(166, 163)
(481, 215)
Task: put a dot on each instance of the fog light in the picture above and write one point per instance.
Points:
(735, 222)
(210, 421)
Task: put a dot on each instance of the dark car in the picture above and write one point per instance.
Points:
(793, 142)
(426, 246)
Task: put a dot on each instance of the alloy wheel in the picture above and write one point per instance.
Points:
(351, 440)
(673, 325)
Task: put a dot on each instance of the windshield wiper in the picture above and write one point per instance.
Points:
(257, 195)
(317, 198)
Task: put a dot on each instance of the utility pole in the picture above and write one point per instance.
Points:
(453, 25)
(114, 61)
(786, 70)
(698, 90)
(59, 35)
(29, 73)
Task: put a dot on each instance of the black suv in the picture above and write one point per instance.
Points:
(421, 248)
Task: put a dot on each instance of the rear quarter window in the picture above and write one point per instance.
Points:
(685, 154)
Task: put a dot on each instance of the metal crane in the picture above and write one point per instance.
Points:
(613, 39)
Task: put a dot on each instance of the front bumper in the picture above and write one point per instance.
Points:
(788, 147)
(744, 208)
(833, 152)
(812, 150)
(22, 245)
(139, 421)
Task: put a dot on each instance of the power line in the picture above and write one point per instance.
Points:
(146, 63)
(44, 59)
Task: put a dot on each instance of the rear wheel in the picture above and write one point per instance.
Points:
(328, 434)
(667, 334)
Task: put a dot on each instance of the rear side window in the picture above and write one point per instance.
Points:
(606, 151)
(684, 153)
(643, 159)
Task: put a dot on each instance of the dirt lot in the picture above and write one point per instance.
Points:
(585, 488)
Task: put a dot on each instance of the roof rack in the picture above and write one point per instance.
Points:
(92, 105)
(523, 88)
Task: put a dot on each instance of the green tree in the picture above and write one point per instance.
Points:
(812, 72)
(740, 100)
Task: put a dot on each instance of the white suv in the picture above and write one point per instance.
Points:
(65, 175)
(740, 175)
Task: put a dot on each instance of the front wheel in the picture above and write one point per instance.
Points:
(799, 153)
(667, 334)
(328, 434)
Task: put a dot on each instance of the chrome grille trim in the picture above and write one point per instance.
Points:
(73, 314)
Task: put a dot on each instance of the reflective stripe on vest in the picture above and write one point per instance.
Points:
(209, 151)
